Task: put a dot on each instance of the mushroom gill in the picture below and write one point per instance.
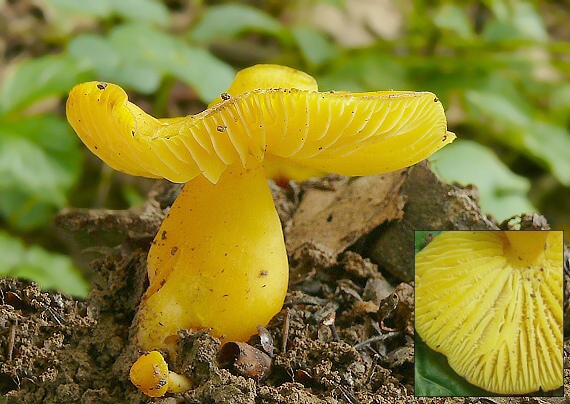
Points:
(491, 302)
(336, 132)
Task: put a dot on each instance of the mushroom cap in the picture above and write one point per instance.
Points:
(492, 303)
(150, 374)
(337, 132)
(268, 76)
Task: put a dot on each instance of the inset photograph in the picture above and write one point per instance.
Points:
(488, 313)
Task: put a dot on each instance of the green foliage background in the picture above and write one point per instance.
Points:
(500, 67)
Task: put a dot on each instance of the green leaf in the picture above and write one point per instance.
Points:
(40, 160)
(500, 31)
(516, 20)
(369, 70)
(99, 8)
(314, 45)
(141, 77)
(496, 104)
(144, 56)
(529, 22)
(113, 63)
(548, 143)
(435, 378)
(501, 192)
(48, 269)
(152, 54)
(94, 51)
(517, 124)
(138, 56)
(230, 20)
(560, 98)
(206, 74)
(146, 11)
(133, 195)
(25, 164)
(452, 17)
(24, 211)
(420, 237)
(35, 79)
(560, 103)
(336, 3)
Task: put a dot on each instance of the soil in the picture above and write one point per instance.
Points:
(350, 243)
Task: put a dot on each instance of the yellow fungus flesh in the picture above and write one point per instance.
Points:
(497, 316)
(218, 260)
(525, 248)
(177, 383)
(343, 133)
(150, 374)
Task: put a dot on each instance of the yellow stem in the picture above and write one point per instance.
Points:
(218, 261)
(178, 383)
(525, 247)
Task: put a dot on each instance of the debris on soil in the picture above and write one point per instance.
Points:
(134, 223)
(245, 360)
(345, 333)
(336, 211)
(37, 329)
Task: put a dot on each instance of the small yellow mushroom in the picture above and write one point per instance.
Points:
(150, 375)
(492, 303)
(219, 260)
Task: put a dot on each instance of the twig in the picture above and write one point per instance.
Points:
(372, 368)
(377, 338)
(285, 331)
(347, 395)
(11, 340)
(329, 321)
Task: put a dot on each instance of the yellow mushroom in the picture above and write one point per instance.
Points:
(492, 303)
(150, 375)
(219, 259)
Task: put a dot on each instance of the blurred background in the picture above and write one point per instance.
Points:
(500, 67)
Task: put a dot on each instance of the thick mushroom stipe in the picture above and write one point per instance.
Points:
(492, 303)
(218, 261)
